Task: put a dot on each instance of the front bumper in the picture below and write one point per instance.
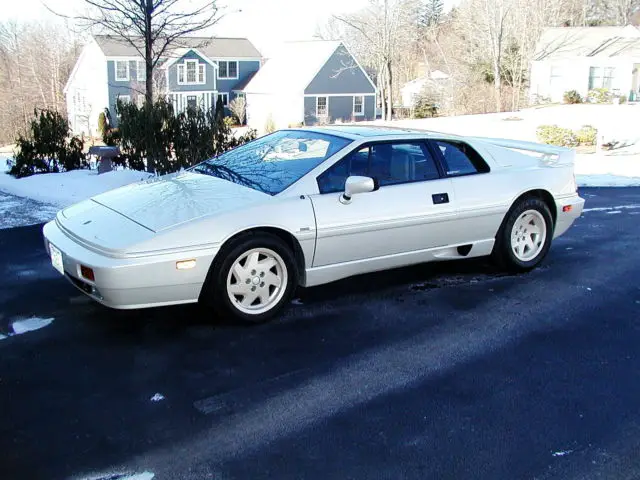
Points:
(133, 282)
(564, 219)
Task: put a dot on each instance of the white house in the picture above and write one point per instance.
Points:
(308, 83)
(412, 89)
(584, 58)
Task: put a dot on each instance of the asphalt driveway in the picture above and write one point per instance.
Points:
(449, 370)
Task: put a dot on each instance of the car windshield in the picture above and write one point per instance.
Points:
(274, 162)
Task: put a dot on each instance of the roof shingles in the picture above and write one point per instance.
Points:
(212, 47)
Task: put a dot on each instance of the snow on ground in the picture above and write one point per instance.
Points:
(601, 170)
(64, 189)
(21, 211)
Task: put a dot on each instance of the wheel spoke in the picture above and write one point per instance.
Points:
(239, 272)
(267, 264)
(535, 229)
(252, 261)
(239, 288)
(249, 298)
(529, 243)
(272, 279)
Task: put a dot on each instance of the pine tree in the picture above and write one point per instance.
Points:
(431, 13)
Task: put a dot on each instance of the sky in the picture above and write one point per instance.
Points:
(267, 23)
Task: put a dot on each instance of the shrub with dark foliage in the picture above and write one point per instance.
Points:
(174, 141)
(49, 148)
(425, 106)
(572, 97)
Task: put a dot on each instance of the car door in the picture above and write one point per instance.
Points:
(412, 209)
(481, 198)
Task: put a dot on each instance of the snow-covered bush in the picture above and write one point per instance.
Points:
(49, 147)
(599, 95)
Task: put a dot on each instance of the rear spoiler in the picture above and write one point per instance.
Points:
(550, 155)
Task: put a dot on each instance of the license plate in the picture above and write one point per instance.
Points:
(56, 259)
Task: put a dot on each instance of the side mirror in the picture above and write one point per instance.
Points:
(355, 185)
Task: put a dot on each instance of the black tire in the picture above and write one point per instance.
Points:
(503, 253)
(215, 292)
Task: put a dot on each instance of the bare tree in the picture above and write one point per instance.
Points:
(238, 107)
(151, 27)
(35, 62)
(621, 11)
(382, 30)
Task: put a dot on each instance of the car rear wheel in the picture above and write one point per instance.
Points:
(525, 236)
(254, 278)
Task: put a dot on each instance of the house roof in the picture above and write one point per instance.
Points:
(244, 82)
(570, 42)
(212, 47)
(293, 66)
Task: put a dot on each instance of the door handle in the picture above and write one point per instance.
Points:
(439, 198)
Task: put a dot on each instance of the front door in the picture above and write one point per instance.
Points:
(414, 208)
(192, 102)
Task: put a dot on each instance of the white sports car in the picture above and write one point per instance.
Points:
(311, 206)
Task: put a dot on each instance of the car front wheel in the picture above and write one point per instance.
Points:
(255, 278)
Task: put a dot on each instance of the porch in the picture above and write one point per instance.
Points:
(205, 100)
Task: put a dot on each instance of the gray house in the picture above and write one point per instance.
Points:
(196, 73)
(310, 83)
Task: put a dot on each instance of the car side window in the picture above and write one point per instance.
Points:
(460, 159)
(389, 163)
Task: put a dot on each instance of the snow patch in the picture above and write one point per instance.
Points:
(562, 453)
(296, 301)
(158, 397)
(609, 209)
(613, 212)
(19, 327)
(123, 476)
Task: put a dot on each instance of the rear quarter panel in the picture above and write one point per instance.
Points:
(484, 199)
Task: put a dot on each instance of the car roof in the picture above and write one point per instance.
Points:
(361, 132)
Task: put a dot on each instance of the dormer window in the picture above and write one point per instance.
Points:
(191, 72)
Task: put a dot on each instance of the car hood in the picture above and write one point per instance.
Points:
(164, 202)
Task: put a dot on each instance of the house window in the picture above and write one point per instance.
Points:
(601, 77)
(224, 97)
(358, 105)
(141, 71)
(607, 79)
(140, 100)
(191, 72)
(124, 98)
(227, 69)
(122, 70)
(322, 104)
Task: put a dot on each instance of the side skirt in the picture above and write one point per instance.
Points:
(331, 273)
